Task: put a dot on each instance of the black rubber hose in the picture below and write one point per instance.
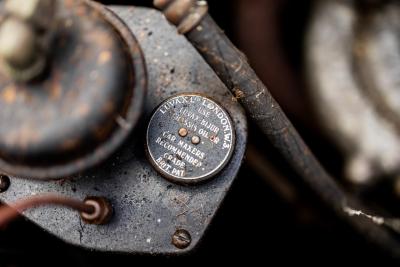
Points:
(233, 69)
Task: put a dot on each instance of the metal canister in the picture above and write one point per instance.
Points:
(83, 106)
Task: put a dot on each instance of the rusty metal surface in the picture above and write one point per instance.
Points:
(148, 209)
(84, 107)
(342, 96)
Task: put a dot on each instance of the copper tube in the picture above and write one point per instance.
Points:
(9, 213)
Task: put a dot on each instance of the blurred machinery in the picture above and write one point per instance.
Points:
(353, 66)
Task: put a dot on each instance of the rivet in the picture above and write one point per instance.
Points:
(195, 140)
(183, 132)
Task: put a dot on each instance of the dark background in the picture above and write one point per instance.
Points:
(269, 217)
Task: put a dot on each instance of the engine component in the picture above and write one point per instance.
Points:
(84, 106)
(151, 214)
(353, 67)
(190, 138)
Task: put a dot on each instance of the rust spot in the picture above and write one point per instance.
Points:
(9, 94)
(69, 3)
(104, 57)
(55, 91)
(70, 144)
(238, 93)
(101, 133)
(109, 107)
(142, 35)
(81, 10)
(82, 110)
(22, 137)
(100, 37)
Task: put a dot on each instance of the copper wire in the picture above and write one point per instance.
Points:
(9, 213)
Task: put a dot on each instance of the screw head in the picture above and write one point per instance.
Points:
(181, 239)
(4, 183)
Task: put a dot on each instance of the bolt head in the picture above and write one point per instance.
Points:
(4, 183)
(181, 239)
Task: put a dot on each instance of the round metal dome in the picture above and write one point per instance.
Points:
(84, 106)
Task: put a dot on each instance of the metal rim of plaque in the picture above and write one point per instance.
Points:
(190, 138)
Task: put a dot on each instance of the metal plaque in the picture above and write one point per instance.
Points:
(190, 138)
